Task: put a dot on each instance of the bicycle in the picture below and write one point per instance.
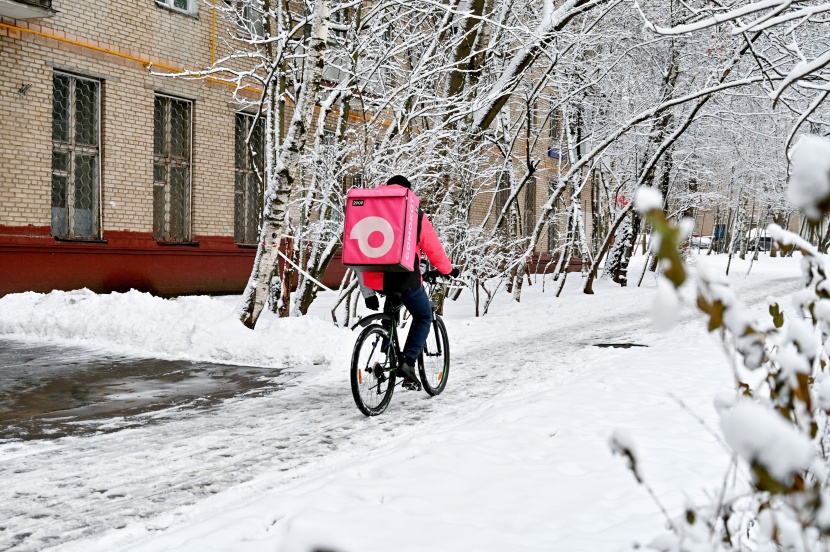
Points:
(377, 354)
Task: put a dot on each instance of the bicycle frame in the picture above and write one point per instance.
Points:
(432, 374)
(392, 319)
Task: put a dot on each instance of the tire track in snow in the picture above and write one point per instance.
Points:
(78, 487)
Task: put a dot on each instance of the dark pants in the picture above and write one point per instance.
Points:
(417, 303)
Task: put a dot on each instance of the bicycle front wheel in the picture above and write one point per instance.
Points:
(434, 361)
(372, 374)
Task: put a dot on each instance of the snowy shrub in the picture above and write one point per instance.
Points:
(810, 178)
(776, 421)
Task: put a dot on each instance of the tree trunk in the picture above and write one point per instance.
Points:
(588, 288)
(280, 187)
(623, 249)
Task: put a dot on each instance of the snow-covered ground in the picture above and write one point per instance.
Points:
(513, 456)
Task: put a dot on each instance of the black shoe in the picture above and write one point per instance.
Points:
(407, 371)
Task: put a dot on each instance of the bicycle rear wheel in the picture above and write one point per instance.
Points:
(373, 380)
(434, 361)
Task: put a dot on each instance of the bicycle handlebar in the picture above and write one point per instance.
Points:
(431, 276)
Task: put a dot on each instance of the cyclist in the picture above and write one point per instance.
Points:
(407, 288)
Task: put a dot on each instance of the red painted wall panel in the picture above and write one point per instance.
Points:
(32, 260)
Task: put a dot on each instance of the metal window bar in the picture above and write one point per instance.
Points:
(249, 18)
(248, 190)
(555, 123)
(354, 181)
(76, 160)
(502, 195)
(172, 157)
(339, 17)
(530, 206)
(553, 221)
(329, 137)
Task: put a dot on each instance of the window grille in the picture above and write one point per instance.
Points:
(553, 221)
(171, 169)
(354, 181)
(530, 206)
(502, 195)
(76, 160)
(328, 137)
(249, 18)
(555, 124)
(531, 116)
(250, 165)
(339, 17)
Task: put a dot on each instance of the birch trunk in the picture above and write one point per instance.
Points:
(282, 184)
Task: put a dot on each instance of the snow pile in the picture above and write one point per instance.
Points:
(810, 185)
(196, 328)
(760, 435)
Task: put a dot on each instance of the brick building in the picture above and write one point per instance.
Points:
(118, 178)
(115, 177)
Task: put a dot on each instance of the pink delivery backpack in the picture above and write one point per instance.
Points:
(381, 229)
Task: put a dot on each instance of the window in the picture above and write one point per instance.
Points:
(555, 124)
(328, 138)
(530, 206)
(354, 181)
(249, 18)
(171, 169)
(500, 200)
(76, 160)
(531, 115)
(338, 24)
(250, 165)
(554, 233)
(558, 223)
(188, 6)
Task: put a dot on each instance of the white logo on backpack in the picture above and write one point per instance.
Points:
(365, 228)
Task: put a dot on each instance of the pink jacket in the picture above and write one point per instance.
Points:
(429, 244)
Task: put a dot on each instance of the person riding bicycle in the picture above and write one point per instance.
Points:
(407, 288)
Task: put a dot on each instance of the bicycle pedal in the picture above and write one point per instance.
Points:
(411, 385)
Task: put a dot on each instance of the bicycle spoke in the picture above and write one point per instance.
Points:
(434, 360)
(372, 384)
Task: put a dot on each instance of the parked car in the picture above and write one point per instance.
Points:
(765, 243)
(701, 242)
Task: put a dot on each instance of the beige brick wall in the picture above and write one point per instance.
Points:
(26, 136)
(138, 29)
(547, 171)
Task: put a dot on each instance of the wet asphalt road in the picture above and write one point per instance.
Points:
(49, 391)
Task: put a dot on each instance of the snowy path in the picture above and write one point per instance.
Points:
(145, 480)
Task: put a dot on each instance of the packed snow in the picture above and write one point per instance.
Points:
(513, 455)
